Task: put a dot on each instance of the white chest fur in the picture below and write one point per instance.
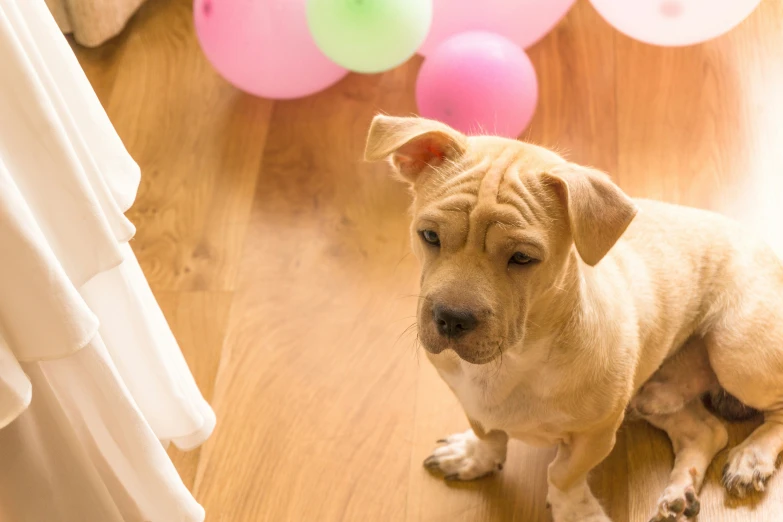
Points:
(514, 395)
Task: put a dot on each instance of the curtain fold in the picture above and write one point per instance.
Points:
(92, 382)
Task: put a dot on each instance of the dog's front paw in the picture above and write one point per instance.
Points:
(463, 456)
(677, 502)
(576, 505)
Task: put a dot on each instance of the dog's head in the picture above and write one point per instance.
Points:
(498, 225)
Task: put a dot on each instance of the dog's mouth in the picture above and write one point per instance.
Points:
(478, 358)
(468, 352)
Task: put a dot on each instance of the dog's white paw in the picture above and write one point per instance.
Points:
(677, 502)
(463, 456)
(577, 505)
(749, 468)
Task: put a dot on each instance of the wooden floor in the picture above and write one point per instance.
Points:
(281, 259)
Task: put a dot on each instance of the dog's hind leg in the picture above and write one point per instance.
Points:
(745, 347)
(683, 377)
(696, 435)
(752, 463)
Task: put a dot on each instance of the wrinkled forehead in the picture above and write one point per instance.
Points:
(497, 180)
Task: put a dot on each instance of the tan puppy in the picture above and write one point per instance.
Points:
(547, 303)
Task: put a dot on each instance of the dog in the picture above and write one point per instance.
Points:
(552, 304)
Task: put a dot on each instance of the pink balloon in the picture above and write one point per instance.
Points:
(263, 47)
(524, 22)
(478, 82)
(674, 22)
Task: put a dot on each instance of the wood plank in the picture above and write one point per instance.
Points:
(199, 143)
(316, 394)
(101, 64)
(198, 320)
(576, 113)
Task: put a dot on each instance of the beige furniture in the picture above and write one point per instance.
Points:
(92, 22)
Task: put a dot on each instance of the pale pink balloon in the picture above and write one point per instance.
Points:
(263, 47)
(479, 83)
(674, 22)
(524, 22)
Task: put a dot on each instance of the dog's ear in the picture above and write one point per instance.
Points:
(413, 144)
(598, 211)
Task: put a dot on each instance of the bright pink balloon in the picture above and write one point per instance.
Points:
(674, 22)
(524, 22)
(263, 47)
(478, 83)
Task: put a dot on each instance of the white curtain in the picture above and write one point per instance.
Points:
(92, 382)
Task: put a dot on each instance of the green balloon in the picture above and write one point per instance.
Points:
(369, 36)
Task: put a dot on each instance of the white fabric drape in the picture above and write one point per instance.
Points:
(91, 377)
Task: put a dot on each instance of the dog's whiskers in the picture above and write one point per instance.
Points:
(400, 261)
(500, 357)
(417, 296)
(407, 330)
(416, 346)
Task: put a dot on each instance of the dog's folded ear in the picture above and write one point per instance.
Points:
(413, 144)
(598, 211)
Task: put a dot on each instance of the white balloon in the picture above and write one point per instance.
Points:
(524, 22)
(674, 22)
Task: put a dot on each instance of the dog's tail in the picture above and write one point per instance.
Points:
(725, 405)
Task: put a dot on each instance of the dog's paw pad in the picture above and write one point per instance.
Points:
(677, 501)
(464, 457)
(749, 468)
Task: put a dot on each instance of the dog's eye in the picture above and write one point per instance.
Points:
(520, 259)
(430, 237)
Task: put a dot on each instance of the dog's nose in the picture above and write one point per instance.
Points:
(453, 323)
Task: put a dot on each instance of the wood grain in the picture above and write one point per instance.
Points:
(281, 258)
(199, 142)
(313, 371)
(199, 321)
